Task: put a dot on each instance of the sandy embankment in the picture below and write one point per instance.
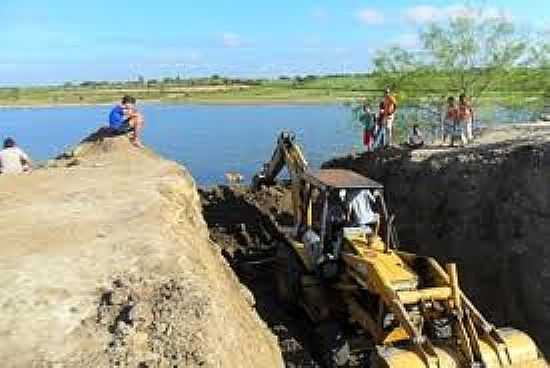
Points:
(109, 262)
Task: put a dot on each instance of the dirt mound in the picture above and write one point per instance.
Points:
(487, 207)
(106, 260)
(242, 220)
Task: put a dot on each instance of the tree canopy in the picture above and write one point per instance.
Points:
(467, 52)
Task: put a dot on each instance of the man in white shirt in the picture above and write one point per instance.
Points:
(361, 213)
(13, 160)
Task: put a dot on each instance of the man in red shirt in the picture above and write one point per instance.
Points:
(464, 115)
(451, 119)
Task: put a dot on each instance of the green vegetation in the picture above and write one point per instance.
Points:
(481, 55)
(473, 53)
(193, 90)
(515, 87)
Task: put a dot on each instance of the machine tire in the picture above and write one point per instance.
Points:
(331, 344)
(287, 276)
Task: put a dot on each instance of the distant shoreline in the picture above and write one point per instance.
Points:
(273, 102)
(47, 106)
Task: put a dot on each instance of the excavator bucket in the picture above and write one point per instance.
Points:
(520, 352)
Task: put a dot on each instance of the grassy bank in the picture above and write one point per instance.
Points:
(230, 95)
(310, 89)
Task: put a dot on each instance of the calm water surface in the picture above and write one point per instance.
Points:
(208, 139)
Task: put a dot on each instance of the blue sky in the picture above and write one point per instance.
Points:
(53, 41)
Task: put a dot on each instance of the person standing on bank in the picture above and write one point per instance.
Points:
(369, 126)
(125, 118)
(466, 115)
(464, 118)
(390, 106)
(380, 136)
(451, 120)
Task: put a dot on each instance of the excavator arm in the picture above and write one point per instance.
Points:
(287, 153)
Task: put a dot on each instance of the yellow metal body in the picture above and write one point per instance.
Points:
(390, 275)
(395, 295)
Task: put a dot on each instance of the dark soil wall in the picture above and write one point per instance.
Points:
(486, 208)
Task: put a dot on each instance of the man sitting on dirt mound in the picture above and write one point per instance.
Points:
(13, 160)
(125, 118)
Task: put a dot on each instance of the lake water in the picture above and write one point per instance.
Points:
(209, 140)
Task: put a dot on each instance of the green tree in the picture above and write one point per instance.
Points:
(468, 52)
(540, 52)
(392, 67)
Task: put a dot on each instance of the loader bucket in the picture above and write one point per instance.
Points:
(523, 353)
(387, 357)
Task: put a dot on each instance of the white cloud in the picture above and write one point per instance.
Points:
(370, 16)
(231, 40)
(422, 14)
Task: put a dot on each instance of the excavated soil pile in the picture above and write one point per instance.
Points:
(243, 221)
(105, 260)
(487, 207)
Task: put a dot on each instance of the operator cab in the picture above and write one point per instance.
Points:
(338, 204)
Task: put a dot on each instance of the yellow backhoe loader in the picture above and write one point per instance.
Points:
(341, 265)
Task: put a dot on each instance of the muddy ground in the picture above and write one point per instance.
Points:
(242, 222)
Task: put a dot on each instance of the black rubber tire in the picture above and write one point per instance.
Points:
(287, 276)
(331, 345)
